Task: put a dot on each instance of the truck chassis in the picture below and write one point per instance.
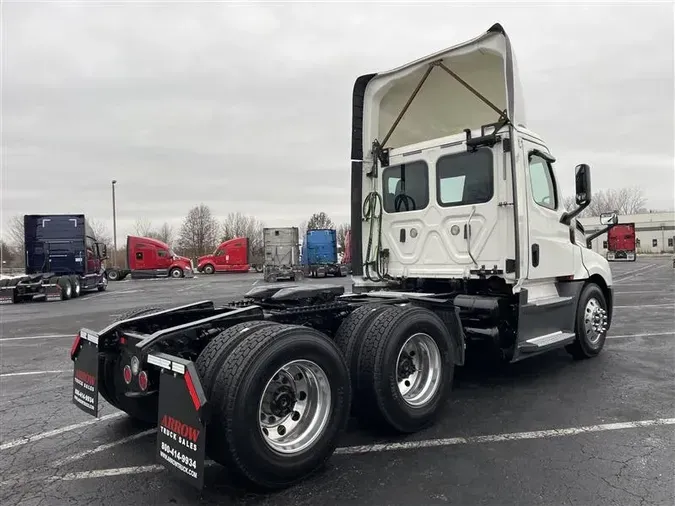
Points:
(47, 287)
(272, 379)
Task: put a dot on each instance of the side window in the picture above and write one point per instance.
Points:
(670, 242)
(604, 244)
(406, 187)
(465, 178)
(655, 243)
(220, 253)
(162, 253)
(139, 255)
(637, 242)
(542, 183)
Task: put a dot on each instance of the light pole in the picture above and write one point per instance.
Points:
(114, 225)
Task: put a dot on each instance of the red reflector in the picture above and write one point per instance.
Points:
(127, 374)
(123, 340)
(76, 343)
(192, 390)
(143, 380)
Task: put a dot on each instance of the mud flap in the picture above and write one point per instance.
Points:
(52, 292)
(181, 423)
(6, 295)
(84, 354)
(189, 273)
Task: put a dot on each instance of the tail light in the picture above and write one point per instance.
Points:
(127, 374)
(143, 380)
(76, 344)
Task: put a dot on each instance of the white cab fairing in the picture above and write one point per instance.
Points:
(443, 106)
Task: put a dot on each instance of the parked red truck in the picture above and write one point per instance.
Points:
(233, 255)
(621, 242)
(151, 258)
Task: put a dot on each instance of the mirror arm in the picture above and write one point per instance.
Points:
(590, 238)
(566, 217)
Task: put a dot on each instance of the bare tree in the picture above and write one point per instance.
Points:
(623, 201)
(319, 220)
(342, 234)
(14, 233)
(164, 233)
(241, 225)
(199, 231)
(302, 230)
(143, 227)
(101, 232)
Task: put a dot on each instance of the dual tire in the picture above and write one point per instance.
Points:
(280, 397)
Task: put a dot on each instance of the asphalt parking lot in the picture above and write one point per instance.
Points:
(545, 431)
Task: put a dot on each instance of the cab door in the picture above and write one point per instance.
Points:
(550, 249)
(220, 258)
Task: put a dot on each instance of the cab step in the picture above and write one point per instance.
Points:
(546, 341)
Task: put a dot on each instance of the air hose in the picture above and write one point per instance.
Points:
(372, 211)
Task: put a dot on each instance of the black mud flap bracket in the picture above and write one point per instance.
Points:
(84, 354)
(181, 420)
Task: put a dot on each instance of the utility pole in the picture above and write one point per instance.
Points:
(114, 262)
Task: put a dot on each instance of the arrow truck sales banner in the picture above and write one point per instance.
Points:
(85, 378)
(181, 434)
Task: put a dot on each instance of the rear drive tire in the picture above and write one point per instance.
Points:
(591, 319)
(113, 274)
(211, 358)
(103, 285)
(349, 337)
(77, 287)
(406, 366)
(176, 273)
(66, 287)
(209, 269)
(284, 403)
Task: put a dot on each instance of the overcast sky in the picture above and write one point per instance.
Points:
(248, 107)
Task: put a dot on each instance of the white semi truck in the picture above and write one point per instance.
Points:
(459, 241)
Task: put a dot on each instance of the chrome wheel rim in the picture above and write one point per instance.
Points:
(175, 273)
(295, 406)
(595, 321)
(418, 369)
(77, 288)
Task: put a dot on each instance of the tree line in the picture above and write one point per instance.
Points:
(199, 234)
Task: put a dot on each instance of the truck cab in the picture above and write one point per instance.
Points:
(452, 191)
(230, 256)
(152, 258)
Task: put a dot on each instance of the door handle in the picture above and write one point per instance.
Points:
(535, 255)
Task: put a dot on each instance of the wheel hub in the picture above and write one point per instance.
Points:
(595, 321)
(283, 401)
(419, 369)
(406, 366)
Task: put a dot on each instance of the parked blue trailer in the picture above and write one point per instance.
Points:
(63, 259)
(320, 254)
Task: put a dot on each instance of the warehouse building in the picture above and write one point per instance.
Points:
(655, 232)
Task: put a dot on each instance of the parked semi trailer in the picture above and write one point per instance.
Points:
(473, 253)
(63, 259)
(319, 256)
(151, 258)
(282, 254)
(233, 255)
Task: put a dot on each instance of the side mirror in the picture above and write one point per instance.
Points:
(102, 251)
(609, 219)
(582, 176)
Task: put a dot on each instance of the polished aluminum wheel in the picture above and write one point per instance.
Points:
(595, 321)
(295, 407)
(418, 369)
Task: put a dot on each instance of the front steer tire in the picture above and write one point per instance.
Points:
(381, 356)
(244, 377)
(586, 345)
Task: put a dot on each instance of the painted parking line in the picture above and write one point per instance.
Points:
(103, 447)
(58, 432)
(405, 446)
(32, 373)
(650, 334)
(640, 272)
(49, 336)
(637, 306)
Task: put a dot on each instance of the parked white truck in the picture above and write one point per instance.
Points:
(458, 240)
